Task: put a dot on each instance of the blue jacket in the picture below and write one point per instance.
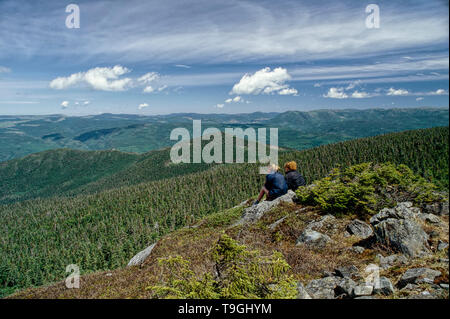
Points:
(276, 185)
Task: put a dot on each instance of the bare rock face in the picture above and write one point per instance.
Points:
(398, 228)
(140, 257)
(254, 213)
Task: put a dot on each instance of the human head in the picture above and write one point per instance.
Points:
(273, 168)
(290, 166)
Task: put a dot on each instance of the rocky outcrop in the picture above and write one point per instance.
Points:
(383, 286)
(397, 227)
(255, 212)
(392, 260)
(140, 257)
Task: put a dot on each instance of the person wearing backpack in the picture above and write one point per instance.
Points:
(293, 178)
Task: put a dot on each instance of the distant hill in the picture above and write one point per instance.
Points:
(23, 135)
(103, 230)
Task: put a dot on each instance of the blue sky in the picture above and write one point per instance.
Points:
(208, 56)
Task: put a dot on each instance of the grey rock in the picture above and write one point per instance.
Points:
(323, 288)
(313, 238)
(362, 290)
(417, 275)
(278, 222)
(442, 245)
(254, 213)
(410, 287)
(404, 235)
(344, 288)
(302, 293)
(383, 286)
(389, 261)
(360, 229)
(403, 210)
(140, 257)
(357, 249)
(323, 221)
(444, 286)
(430, 218)
(437, 208)
(350, 271)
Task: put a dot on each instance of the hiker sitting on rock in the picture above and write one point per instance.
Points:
(293, 178)
(275, 185)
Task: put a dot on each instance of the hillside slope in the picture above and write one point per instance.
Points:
(286, 249)
(104, 230)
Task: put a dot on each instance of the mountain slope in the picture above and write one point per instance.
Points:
(104, 230)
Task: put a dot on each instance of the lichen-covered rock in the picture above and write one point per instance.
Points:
(403, 210)
(360, 229)
(255, 212)
(350, 271)
(140, 257)
(324, 221)
(313, 238)
(418, 275)
(362, 290)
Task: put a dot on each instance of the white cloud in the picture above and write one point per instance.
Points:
(360, 95)
(4, 69)
(142, 105)
(182, 66)
(317, 85)
(148, 89)
(264, 81)
(419, 98)
(440, 92)
(336, 93)
(100, 78)
(236, 99)
(149, 77)
(162, 88)
(65, 104)
(288, 91)
(219, 106)
(86, 102)
(397, 92)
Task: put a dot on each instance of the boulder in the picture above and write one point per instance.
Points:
(362, 290)
(323, 288)
(255, 212)
(417, 276)
(347, 272)
(313, 238)
(403, 210)
(383, 286)
(302, 293)
(324, 221)
(360, 229)
(404, 235)
(140, 257)
(430, 218)
(439, 208)
(389, 261)
(344, 288)
(397, 228)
